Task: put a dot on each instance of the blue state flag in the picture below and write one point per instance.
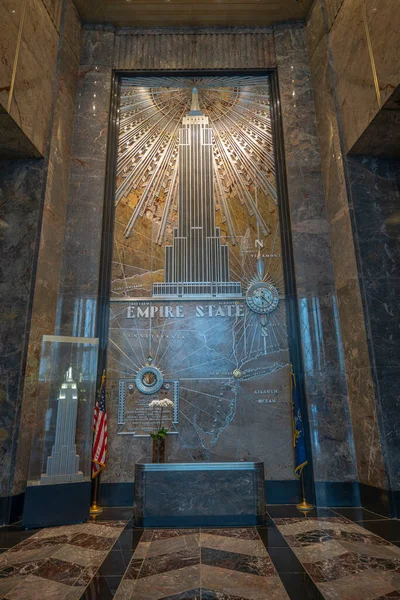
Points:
(299, 443)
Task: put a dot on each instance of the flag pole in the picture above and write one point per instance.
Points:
(300, 455)
(303, 505)
(95, 509)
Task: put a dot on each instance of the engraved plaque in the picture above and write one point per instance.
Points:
(134, 414)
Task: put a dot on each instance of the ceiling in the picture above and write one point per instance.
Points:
(176, 13)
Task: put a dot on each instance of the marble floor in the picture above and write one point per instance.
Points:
(331, 554)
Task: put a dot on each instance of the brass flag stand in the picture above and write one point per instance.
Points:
(304, 506)
(95, 509)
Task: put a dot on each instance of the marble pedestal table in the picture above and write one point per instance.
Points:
(219, 493)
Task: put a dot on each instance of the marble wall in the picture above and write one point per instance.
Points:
(324, 369)
(356, 356)
(25, 113)
(374, 202)
(51, 222)
(29, 33)
(365, 47)
(322, 344)
(361, 195)
(333, 452)
(71, 238)
(21, 187)
(382, 136)
(29, 37)
(78, 292)
(65, 297)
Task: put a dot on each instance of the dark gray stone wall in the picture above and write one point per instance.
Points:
(21, 188)
(374, 185)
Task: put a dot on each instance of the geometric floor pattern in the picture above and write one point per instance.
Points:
(194, 564)
(345, 561)
(57, 563)
(329, 554)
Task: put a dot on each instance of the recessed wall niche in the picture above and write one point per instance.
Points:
(197, 289)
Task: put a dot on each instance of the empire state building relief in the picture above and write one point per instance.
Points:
(197, 263)
(196, 193)
(197, 300)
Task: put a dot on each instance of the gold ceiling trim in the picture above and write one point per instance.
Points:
(16, 57)
(371, 54)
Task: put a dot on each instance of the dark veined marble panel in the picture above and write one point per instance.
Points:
(21, 185)
(215, 493)
(375, 194)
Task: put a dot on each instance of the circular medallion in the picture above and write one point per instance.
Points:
(262, 298)
(149, 380)
(237, 373)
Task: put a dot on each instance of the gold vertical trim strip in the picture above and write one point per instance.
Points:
(16, 57)
(371, 54)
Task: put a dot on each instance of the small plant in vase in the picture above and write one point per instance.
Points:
(159, 437)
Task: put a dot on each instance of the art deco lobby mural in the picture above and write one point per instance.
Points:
(197, 310)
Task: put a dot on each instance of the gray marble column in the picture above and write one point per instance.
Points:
(324, 370)
(78, 295)
(356, 355)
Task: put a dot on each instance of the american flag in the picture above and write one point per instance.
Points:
(100, 440)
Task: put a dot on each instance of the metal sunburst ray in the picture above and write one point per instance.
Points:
(150, 115)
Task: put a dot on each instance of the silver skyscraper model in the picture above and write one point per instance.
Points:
(63, 464)
(196, 264)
